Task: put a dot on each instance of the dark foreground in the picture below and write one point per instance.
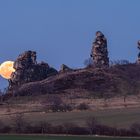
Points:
(15, 137)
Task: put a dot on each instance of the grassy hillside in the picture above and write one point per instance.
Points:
(110, 95)
(120, 118)
(113, 81)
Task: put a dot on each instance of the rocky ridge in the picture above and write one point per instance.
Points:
(31, 77)
(101, 82)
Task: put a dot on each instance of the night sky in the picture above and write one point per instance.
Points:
(62, 31)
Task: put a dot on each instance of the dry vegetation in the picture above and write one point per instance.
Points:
(67, 100)
(113, 111)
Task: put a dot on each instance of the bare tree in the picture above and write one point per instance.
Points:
(68, 127)
(1, 125)
(44, 126)
(126, 90)
(1, 96)
(19, 122)
(56, 102)
(91, 125)
(135, 128)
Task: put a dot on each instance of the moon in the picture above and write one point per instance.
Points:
(6, 69)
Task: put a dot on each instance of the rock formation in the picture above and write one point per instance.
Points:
(65, 68)
(28, 70)
(138, 60)
(99, 51)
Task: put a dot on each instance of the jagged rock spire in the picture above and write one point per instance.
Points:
(99, 51)
(138, 60)
(28, 70)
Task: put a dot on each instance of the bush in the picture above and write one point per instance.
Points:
(6, 129)
(61, 108)
(19, 123)
(55, 104)
(44, 127)
(66, 107)
(91, 125)
(135, 128)
(70, 128)
(83, 106)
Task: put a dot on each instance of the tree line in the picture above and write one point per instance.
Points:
(92, 127)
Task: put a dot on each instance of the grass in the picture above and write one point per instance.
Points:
(121, 118)
(12, 137)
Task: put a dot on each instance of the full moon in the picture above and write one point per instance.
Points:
(6, 69)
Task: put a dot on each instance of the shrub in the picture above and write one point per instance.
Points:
(44, 127)
(19, 123)
(135, 128)
(6, 129)
(91, 125)
(83, 106)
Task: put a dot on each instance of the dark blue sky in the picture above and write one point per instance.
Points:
(62, 31)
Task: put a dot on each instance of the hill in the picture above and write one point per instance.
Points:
(108, 82)
(109, 94)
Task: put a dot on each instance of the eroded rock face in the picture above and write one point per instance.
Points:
(28, 70)
(99, 51)
(138, 60)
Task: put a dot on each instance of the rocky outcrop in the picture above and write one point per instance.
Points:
(138, 59)
(99, 51)
(28, 70)
(64, 68)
